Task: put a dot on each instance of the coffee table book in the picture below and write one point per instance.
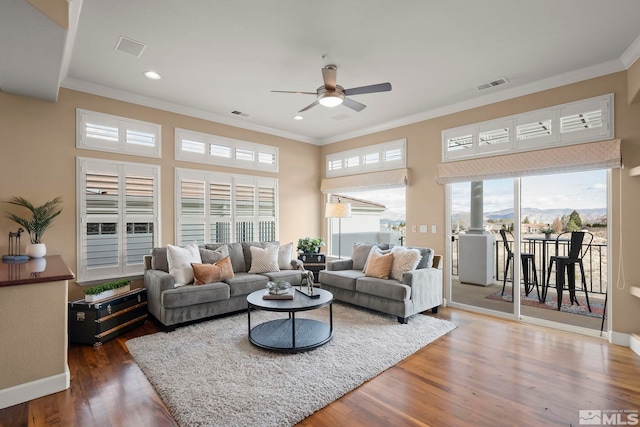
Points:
(288, 295)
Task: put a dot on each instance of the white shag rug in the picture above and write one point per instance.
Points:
(208, 374)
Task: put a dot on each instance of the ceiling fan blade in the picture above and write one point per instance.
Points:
(329, 76)
(380, 87)
(354, 105)
(313, 104)
(290, 91)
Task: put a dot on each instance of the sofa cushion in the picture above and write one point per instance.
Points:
(159, 259)
(264, 260)
(209, 273)
(389, 289)
(180, 259)
(189, 295)
(378, 264)
(245, 283)
(285, 255)
(427, 257)
(235, 252)
(359, 254)
(343, 279)
(377, 250)
(404, 259)
(210, 256)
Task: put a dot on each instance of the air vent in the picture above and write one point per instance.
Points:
(239, 113)
(498, 82)
(130, 46)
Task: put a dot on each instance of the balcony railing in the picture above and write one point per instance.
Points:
(595, 261)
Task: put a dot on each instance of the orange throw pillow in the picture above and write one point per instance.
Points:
(379, 265)
(209, 273)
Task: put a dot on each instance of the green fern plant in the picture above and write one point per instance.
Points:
(41, 216)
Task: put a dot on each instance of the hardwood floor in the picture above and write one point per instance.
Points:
(487, 372)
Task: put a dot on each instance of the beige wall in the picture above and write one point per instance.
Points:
(426, 199)
(633, 92)
(38, 162)
(38, 152)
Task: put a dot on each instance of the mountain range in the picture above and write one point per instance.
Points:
(545, 216)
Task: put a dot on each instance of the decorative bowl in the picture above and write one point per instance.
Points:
(278, 287)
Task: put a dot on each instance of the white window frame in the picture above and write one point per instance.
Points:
(351, 162)
(120, 125)
(122, 169)
(258, 154)
(554, 138)
(206, 220)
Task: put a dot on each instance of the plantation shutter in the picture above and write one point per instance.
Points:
(192, 211)
(220, 212)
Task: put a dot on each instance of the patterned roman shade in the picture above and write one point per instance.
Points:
(366, 181)
(572, 158)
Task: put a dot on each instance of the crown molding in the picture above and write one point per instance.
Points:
(632, 53)
(504, 94)
(94, 89)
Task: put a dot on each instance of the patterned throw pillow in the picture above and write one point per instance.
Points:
(180, 259)
(403, 260)
(264, 260)
(285, 253)
(210, 273)
(379, 265)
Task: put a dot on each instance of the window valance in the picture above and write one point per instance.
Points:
(366, 181)
(572, 158)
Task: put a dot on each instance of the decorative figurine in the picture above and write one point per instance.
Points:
(14, 247)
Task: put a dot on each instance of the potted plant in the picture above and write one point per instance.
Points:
(106, 290)
(41, 219)
(547, 231)
(309, 245)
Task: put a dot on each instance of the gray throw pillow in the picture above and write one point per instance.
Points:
(210, 256)
(427, 257)
(360, 254)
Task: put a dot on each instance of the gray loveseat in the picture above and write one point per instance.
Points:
(419, 290)
(173, 305)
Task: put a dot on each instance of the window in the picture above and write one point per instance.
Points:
(118, 205)
(222, 208)
(205, 148)
(105, 132)
(379, 157)
(579, 122)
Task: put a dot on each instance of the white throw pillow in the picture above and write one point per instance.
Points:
(264, 260)
(284, 256)
(180, 260)
(403, 260)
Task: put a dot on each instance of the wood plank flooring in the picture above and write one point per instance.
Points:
(487, 372)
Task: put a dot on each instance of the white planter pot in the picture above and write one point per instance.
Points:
(107, 294)
(36, 250)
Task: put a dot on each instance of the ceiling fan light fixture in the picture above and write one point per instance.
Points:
(330, 99)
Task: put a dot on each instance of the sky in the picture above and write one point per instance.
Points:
(577, 190)
(394, 199)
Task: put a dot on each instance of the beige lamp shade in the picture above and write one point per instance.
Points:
(338, 210)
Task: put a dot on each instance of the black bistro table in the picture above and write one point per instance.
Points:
(290, 335)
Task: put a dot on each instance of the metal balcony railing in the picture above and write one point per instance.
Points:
(595, 261)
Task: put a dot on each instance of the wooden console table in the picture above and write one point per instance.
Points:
(33, 332)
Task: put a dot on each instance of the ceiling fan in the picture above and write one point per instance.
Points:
(332, 94)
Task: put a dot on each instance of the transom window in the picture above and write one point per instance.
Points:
(205, 148)
(105, 132)
(378, 157)
(578, 122)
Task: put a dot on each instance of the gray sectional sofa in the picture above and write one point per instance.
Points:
(173, 305)
(419, 289)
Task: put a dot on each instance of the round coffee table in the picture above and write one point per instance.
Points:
(290, 335)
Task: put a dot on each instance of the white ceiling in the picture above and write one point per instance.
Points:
(219, 56)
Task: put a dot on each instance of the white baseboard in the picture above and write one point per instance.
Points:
(34, 389)
(634, 343)
(619, 338)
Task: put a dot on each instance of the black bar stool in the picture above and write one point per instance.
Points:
(528, 268)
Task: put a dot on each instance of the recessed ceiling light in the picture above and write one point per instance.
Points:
(152, 75)
(298, 117)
